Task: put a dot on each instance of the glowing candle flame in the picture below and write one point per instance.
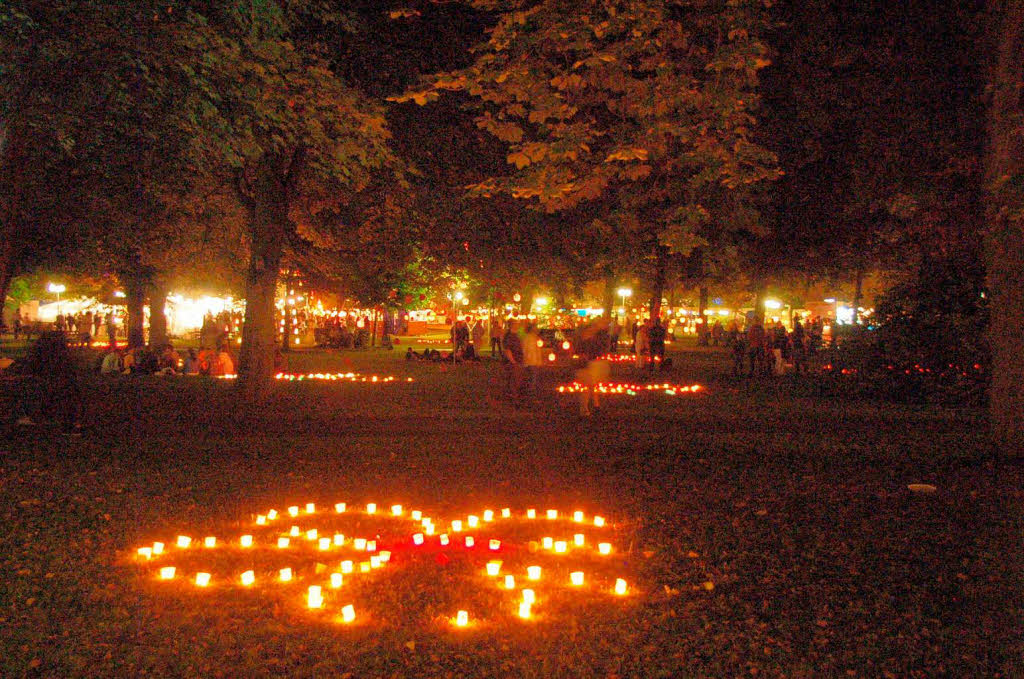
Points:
(561, 547)
(293, 510)
(371, 508)
(461, 619)
(311, 534)
(375, 561)
(202, 579)
(184, 541)
(605, 548)
(359, 544)
(310, 508)
(167, 573)
(371, 545)
(261, 520)
(578, 539)
(444, 539)
(510, 582)
(552, 514)
(417, 539)
(488, 515)
(339, 539)
(524, 610)
(531, 513)
(314, 598)
(272, 514)
(245, 540)
(529, 596)
(494, 544)
(385, 556)
(339, 507)
(285, 574)
(429, 529)
(506, 513)
(533, 573)
(248, 578)
(620, 586)
(493, 567)
(324, 544)
(346, 567)
(336, 580)
(598, 521)
(473, 521)
(365, 566)
(547, 542)
(396, 510)
(282, 543)
(469, 541)
(456, 526)
(577, 516)
(576, 578)
(295, 532)
(417, 515)
(348, 613)
(146, 552)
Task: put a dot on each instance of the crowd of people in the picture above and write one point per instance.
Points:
(765, 350)
(79, 329)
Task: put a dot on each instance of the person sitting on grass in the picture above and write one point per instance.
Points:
(191, 366)
(111, 363)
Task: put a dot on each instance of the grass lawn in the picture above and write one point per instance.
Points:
(762, 532)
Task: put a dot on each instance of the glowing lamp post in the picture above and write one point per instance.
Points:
(57, 288)
(624, 293)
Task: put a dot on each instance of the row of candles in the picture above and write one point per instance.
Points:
(330, 377)
(629, 389)
(315, 594)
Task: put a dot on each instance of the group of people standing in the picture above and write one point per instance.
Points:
(765, 350)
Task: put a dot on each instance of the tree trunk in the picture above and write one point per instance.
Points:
(157, 315)
(268, 222)
(759, 291)
(135, 298)
(660, 274)
(608, 298)
(1005, 232)
(858, 292)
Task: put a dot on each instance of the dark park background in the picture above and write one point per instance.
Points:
(380, 151)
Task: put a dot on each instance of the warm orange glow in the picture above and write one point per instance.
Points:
(371, 508)
(396, 510)
(348, 613)
(488, 515)
(158, 548)
(324, 544)
(620, 586)
(417, 539)
(461, 619)
(285, 574)
(416, 515)
(529, 596)
(578, 539)
(456, 526)
(533, 573)
(473, 521)
(577, 516)
(314, 597)
(245, 541)
(202, 579)
(310, 508)
(146, 552)
(272, 514)
(444, 540)
(494, 544)
(531, 513)
(346, 567)
(605, 548)
(261, 520)
(311, 534)
(167, 573)
(295, 532)
(371, 545)
(336, 580)
(561, 547)
(365, 566)
(339, 539)
(552, 514)
(282, 543)
(359, 544)
(183, 541)
(248, 578)
(524, 610)
(493, 567)
(598, 521)
(375, 561)
(510, 582)
(506, 513)
(293, 510)
(469, 541)
(576, 578)
(385, 556)
(547, 543)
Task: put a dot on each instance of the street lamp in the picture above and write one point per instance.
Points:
(624, 293)
(57, 288)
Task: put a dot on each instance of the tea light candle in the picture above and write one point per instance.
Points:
(346, 566)
(285, 574)
(293, 510)
(364, 566)
(335, 580)
(456, 526)
(158, 548)
(494, 544)
(576, 578)
(547, 543)
(531, 513)
(417, 539)
(282, 543)
(248, 578)
(598, 521)
(261, 520)
(359, 544)
(620, 586)
(314, 597)
(552, 514)
(506, 513)
(488, 515)
(202, 579)
(146, 552)
(271, 515)
(461, 619)
(324, 544)
(510, 582)
(444, 539)
(473, 521)
(245, 540)
(529, 596)
(339, 539)
(167, 573)
(311, 534)
(295, 532)
(561, 547)
(524, 610)
(416, 515)
(348, 613)
(371, 545)
(604, 548)
(533, 572)
(396, 510)
(310, 508)
(375, 561)
(469, 541)
(184, 541)
(371, 508)
(577, 516)
(429, 529)
(493, 567)
(385, 556)
(578, 539)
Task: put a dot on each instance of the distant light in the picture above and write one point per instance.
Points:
(772, 304)
(119, 294)
(540, 301)
(56, 287)
(625, 292)
(830, 300)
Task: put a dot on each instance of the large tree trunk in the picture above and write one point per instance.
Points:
(157, 314)
(269, 219)
(1005, 217)
(135, 298)
(660, 275)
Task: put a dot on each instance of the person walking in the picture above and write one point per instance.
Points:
(642, 342)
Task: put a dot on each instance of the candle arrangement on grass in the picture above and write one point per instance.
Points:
(630, 388)
(309, 551)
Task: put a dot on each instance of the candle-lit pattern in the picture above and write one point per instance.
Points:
(631, 389)
(554, 554)
(331, 377)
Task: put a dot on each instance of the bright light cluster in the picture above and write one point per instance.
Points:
(568, 559)
(629, 389)
(331, 377)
